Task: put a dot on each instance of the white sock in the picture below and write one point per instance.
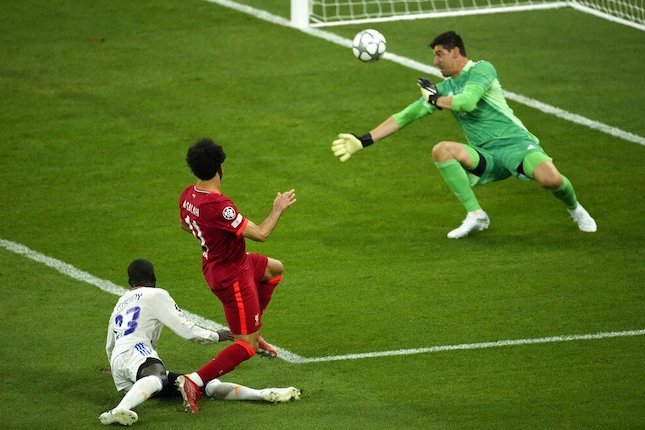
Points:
(196, 379)
(230, 391)
(140, 392)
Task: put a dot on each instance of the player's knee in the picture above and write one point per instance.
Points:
(548, 177)
(274, 268)
(279, 269)
(552, 182)
(441, 151)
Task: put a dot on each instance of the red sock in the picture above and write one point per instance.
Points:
(227, 359)
(265, 291)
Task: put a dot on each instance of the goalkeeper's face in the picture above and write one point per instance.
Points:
(446, 61)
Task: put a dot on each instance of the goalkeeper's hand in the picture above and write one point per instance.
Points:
(428, 91)
(348, 144)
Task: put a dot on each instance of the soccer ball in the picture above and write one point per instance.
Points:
(368, 45)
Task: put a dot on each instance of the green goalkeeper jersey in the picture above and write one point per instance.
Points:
(478, 105)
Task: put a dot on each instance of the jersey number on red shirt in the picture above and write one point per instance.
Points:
(197, 232)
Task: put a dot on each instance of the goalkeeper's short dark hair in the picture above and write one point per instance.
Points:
(449, 40)
(141, 273)
(205, 159)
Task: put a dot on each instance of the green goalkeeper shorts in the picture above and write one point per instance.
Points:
(503, 158)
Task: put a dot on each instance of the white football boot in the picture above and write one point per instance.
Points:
(279, 395)
(583, 219)
(125, 417)
(474, 221)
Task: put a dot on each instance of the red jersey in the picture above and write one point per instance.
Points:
(217, 224)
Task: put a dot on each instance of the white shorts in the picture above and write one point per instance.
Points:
(126, 365)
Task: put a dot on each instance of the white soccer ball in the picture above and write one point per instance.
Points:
(368, 45)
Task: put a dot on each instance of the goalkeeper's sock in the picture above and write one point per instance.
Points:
(265, 291)
(457, 180)
(140, 392)
(566, 193)
(227, 359)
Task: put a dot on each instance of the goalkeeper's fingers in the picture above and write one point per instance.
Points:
(340, 150)
(424, 83)
(338, 145)
(346, 145)
(350, 142)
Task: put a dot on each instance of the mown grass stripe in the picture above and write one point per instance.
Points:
(112, 288)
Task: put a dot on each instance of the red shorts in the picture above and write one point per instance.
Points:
(239, 296)
(258, 264)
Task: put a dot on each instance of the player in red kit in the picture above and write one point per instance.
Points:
(242, 281)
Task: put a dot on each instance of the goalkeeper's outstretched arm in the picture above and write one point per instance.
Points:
(348, 144)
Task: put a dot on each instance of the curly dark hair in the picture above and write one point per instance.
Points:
(449, 40)
(141, 273)
(205, 159)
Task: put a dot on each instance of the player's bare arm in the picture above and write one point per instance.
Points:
(347, 144)
(445, 102)
(384, 129)
(261, 232)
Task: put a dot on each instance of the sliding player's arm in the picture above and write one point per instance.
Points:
(172, 317)
(110, 340)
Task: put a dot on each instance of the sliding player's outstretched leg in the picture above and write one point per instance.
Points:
(231, 391)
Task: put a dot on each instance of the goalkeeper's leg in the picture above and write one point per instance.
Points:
(452, 158)
(538, 166)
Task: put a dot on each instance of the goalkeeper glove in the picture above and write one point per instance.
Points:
(348, 144)
(428, 91)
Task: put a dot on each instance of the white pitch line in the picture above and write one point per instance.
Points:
(424, 68)
(112, 288)
(482, 345)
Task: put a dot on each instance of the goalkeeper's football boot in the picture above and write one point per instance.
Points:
(125, 417)
(583, 219)
(474, 221)
(266, 350)
(279, 395)
(190, 392)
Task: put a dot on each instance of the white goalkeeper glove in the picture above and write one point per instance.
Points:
(348, 144)
(429, 91)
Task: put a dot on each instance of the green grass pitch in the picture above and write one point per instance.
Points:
(100, 102)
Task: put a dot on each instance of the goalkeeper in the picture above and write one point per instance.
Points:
(499, 145)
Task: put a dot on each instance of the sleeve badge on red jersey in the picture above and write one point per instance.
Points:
(229, 213)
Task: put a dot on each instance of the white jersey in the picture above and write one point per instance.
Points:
(139, 316)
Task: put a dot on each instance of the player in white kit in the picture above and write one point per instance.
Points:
(133, 331)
